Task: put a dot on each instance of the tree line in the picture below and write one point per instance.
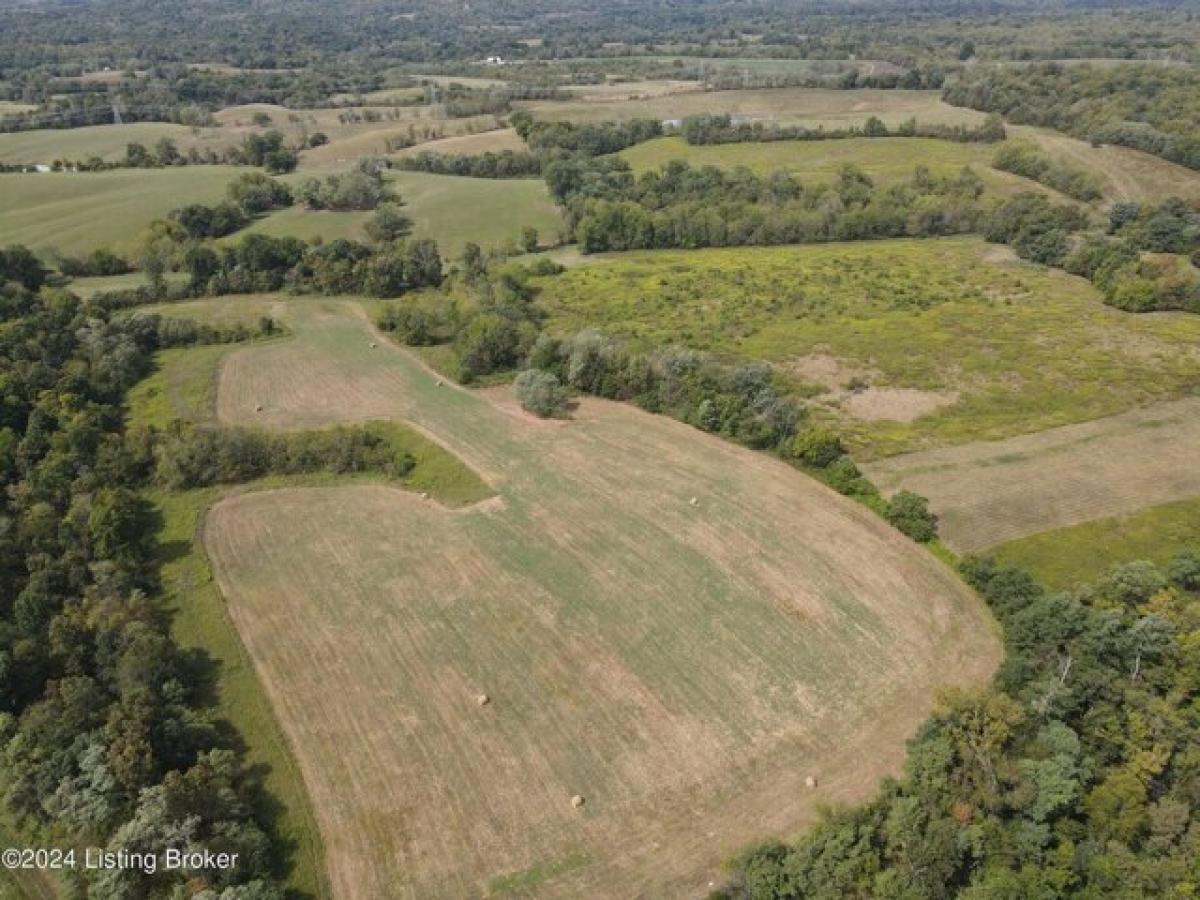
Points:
(681, 206)
(105, 737)
(1147, 259)
(1152, 108)
(722, 129)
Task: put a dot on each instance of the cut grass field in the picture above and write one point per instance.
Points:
(991, 492)
(808, 106)
(183, 383)
(1068, 556)
(682, 666)
(1125, 174)
(983, 345)
(75, 213)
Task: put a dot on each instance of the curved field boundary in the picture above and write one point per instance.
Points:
(682, 666)
(989, 492)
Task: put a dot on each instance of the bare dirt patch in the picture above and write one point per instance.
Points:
(848, 388)
(895, 404)
(682, 666)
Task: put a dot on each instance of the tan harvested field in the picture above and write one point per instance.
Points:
(990, 492)
(495, 141)
(812, 106)
(682, 666)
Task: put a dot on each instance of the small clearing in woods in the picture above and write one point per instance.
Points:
(682, 666)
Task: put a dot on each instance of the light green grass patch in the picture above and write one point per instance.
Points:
(76, 212)
(307, 224)
(1023, 347)
(535, 875)
(183, 386)
(890, 159)
(106, 141)
(451, 210)
(1068, 556)
(486, 211)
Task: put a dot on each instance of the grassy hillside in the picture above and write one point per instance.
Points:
(78, 212)
(106, 141)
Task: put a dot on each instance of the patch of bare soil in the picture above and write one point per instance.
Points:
(874, 404)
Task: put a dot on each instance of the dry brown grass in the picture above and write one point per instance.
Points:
(994, 491)
(683, 667)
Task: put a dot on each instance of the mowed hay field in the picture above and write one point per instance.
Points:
(945, 341)
(987, 493)
(75, 213)
(1125, 174)
(808, 106)
(681, 666)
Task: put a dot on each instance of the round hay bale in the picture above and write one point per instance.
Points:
(424, 495)
(373, 345)
(439, 382)
(695, 501)
(577, 801)
(483, 699)
(810, 782)
(258, 407)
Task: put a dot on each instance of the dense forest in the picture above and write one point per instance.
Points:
(1153, 108)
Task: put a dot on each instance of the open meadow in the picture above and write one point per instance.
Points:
(679, 664)
(907, 344)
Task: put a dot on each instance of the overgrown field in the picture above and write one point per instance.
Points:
(680, 664)
(1068, 556)
(990, 492)
(908, 344)
(78, 212)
